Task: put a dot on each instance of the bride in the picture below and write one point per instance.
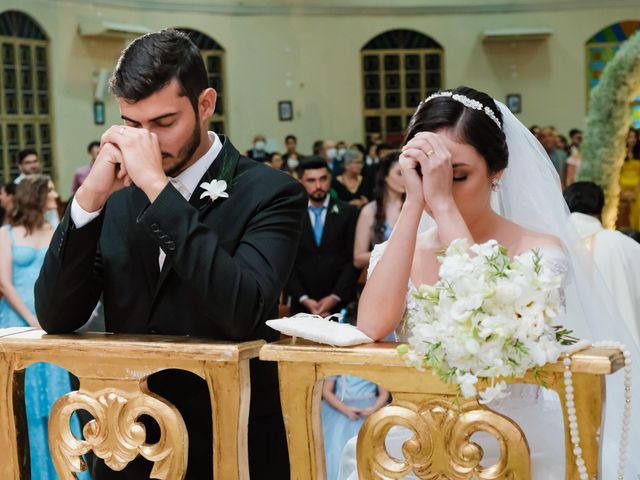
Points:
(479, 174)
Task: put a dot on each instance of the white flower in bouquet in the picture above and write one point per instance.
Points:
(487, 317)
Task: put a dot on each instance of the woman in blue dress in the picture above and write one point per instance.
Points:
(23, 244)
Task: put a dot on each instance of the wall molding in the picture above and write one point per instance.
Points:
(296, 8)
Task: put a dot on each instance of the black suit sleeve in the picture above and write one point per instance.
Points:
(241, 289)
(70, 281)
(345, 286)
(294, 285)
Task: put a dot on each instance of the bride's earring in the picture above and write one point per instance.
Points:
(495, 184)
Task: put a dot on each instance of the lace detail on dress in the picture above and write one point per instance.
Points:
(556, 260)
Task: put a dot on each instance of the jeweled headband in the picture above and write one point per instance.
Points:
(467, 102)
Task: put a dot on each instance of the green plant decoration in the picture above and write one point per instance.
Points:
(608, 121)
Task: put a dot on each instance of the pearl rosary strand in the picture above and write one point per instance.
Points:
(572, 414)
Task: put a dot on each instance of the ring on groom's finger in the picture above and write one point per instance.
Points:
(430, 152)
(121, 131)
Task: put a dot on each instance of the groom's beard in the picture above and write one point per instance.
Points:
(186, 152)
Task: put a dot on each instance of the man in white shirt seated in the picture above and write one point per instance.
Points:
(616, 256)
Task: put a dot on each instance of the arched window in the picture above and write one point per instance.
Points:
(399, 69)
(213, 56)
(25, 114)
(602, 47)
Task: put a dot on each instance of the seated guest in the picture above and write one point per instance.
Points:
(372, 164)
(23, 244)
(329, 154)
(323, 279)
(360, 148)
(377, 218)
(292, 157)
(316, 148)
(616, 255)
(351, 186)
(372, 155)
(28, 164)
(275, 160)
(549, 140)
(83, 172)
(258, 152)
(341, 149)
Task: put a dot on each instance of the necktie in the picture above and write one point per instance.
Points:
(317, 226)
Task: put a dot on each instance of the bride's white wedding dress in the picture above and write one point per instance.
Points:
(529, 195)
(535, 409)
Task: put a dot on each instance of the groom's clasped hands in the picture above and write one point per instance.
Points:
(127, 155)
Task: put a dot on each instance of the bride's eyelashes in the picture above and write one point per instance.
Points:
(460, 179)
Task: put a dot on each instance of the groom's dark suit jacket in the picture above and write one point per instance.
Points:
(226, 264)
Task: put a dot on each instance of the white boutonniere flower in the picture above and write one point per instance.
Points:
(335, 209)
(214, 189)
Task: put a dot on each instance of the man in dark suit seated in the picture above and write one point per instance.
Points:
(173, 249)
(323, 279)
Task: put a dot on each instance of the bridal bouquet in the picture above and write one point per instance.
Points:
(488, 316)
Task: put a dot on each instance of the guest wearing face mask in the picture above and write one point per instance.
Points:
(258, 152)
(329, 154)
(341, 149)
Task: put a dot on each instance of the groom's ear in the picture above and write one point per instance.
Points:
(207, 103)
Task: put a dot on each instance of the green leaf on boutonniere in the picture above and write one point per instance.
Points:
(335, 209)
(226, 172)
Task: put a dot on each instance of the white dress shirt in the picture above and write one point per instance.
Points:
(186, 183)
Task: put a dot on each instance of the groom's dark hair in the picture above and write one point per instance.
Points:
(470, 126)
(151, 61)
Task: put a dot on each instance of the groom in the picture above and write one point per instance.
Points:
(170, 257)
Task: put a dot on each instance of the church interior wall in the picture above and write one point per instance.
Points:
(314, 61)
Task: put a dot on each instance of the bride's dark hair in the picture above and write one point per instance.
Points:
(470, 126)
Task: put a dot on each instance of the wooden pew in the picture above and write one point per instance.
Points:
(112, 370)
(441, 420)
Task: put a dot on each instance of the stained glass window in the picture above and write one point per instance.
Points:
(602, 47)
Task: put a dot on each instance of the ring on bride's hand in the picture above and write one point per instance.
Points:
(121, 131)
(430, 152)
